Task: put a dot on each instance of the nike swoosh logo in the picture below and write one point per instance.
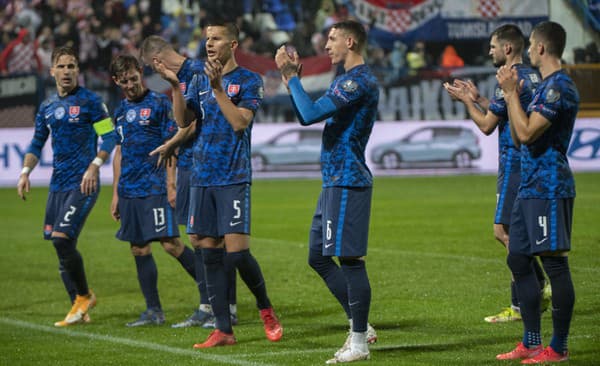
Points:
(48, 115)
(210, 299)
(203, 92)
(354, 303)
(328, 245)
(538, 242)
(119, 118)
(160, 229)
(234, 223)
(63, 225)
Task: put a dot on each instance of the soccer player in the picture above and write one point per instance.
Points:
(506, 48)
(155, 47)
(75, 117)
(340, 224)
(542, 217)
(223, 101)
(140, 200)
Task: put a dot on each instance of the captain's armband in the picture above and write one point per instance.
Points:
(103, 126)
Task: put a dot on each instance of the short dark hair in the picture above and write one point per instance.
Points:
(510, 33)
(356, 29)
(123, 63)
(232, 29)
(552, 35)
(64, 51)
(153, 45)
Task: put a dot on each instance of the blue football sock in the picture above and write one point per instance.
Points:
(70, 259)
(200, 275)
(539, 272)
(359, 292)
(231, 280)
(216, 285)
(528, 292)
(186, 259)
(69, 285)
(563, 300)
(251, 275)
(148, 278)
(532, 339)
(514, 300)
(332, 274)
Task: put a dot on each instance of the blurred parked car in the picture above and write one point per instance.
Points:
(294, 148)
(455, 146)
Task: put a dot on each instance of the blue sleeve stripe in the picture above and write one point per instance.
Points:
(109, 140)
(309, 112)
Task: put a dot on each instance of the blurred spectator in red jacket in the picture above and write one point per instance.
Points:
(451, 59)
(20, 55)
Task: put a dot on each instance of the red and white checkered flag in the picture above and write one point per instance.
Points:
(398, 20)
(489, 8)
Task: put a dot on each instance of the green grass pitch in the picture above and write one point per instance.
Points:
(435, 272)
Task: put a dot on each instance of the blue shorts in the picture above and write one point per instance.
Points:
(216, 211)
(340, 226)
(146, 219)
(539, 225)
(182, 204)
(507, 188)
(66, 212)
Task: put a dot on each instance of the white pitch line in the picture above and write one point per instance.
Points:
(224, 359)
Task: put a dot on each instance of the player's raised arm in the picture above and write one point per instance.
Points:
(464, 92)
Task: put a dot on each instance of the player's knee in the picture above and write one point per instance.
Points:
(194, 240)
(65, 247)
(519, 264)
(173, 246)
(352, 262)
(555, 266)
(317, 261)
(138, 250)
(213, 256)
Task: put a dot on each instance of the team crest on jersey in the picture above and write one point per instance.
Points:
(233, 89)
(349, 86)
(59, 112)
(552, 95)
(145, 113)
(130, 115)
(74, 111)
(534, 78)
(499, 93)
(182, 87)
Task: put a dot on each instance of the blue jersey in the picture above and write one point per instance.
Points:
(222, 156)
(355, 94)
(509, 157)
(70, 120)
(143, 125)
(188, 69)
(545, 172)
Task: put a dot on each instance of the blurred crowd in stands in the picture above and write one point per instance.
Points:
(29, 29)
